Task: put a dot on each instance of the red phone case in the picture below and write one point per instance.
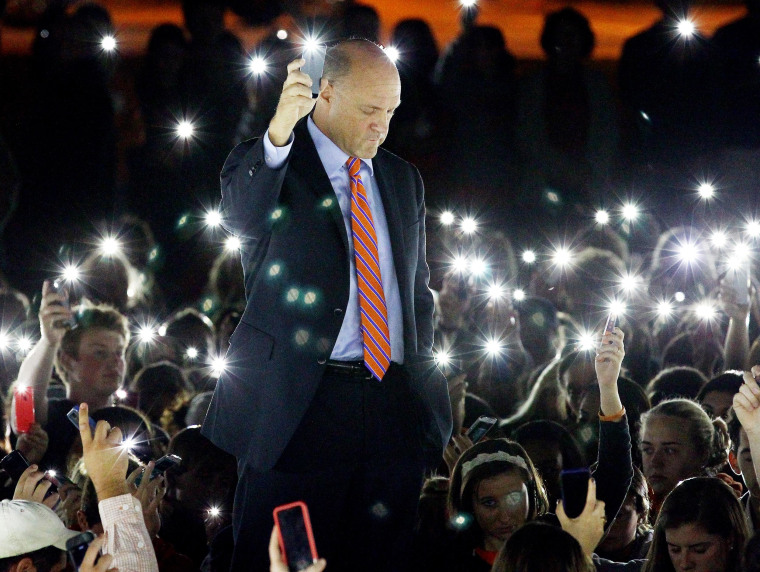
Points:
(307, 523)
(24, 411)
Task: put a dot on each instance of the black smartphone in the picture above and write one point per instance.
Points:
(57, 287)
(162, 465)
(77, 547)
(14, 464)
(314, 54)
(574, 490)
(481, 428)
(73, 416)
(295, 536)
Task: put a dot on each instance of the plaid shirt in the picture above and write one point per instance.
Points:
(127, 539)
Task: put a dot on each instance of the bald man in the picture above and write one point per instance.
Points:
(331, 395)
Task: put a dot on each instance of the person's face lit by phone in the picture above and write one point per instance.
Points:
(745, 466)
(717, 403)
(355, 110)
(667, 454)
(500, 506)
(98, 368)
(623, 530)
(691, 548)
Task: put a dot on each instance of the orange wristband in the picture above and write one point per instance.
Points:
(614, 417)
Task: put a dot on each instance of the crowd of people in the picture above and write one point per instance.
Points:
(530, 245)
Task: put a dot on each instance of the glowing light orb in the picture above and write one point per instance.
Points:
(719, 239)
(71, 273)
(191, 353)
(392, 53)
(705, 310)
(442, 358)
(529, 257)
(232, 244)
(664, 309)
(121, 394)
(680, 296)
(518, 295)
(447, 218)
(282, 34)
(630, 212)
(257, 65)
(562, 256)
(706, 190)
(213, 218)
(686, 28)
(108, 43)
(185, 129)
(469, 225)
(494, 347)
(602, 217)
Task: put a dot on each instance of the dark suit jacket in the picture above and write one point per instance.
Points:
(296, 264)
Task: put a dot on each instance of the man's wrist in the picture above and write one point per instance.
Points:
(279, 136)
(111, 489)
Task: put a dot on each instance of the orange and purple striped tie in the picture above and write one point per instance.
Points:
(374, 314)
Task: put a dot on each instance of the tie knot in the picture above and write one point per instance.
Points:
(353, 164)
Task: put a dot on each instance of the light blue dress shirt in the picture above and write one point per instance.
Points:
(348, 346)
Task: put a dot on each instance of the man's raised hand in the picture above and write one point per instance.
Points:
(295, 103)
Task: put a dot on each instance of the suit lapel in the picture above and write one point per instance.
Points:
(306, 164)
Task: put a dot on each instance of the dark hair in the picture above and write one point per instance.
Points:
(544, 430)
(734, 427)
(727, 382)
(707, 502)
(567, 16)
(133, 423)
(461, 487)
(709, 437)
(751, 556)
(541, 547)
(679, 381)
(44, 559)
(160, 377)
(639, 492)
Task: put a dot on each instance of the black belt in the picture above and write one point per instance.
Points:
(354, 369)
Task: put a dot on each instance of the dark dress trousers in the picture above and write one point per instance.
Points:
(277, 383)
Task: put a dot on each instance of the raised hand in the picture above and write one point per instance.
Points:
(34, 443)
(747, 404)
(277, 563)
(54, 312)
(588, 528)
(609, 360)
(32, 486)
(295, 103)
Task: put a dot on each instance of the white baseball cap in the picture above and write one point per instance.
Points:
(26, 526)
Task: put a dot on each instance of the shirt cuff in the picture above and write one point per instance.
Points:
(119, 508)
(275, 157)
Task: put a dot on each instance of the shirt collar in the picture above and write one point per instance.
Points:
(333, 157)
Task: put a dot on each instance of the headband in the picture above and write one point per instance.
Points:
(483, 458)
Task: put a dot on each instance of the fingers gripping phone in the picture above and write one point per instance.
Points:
(77, 547)
(23, 408)
(73, 416)
(574, 491)
(481, 428)
(14, 464)
(314, 54)
(162, 465)
(295, 535)
(56, 287)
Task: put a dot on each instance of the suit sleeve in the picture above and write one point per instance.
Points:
(423, 297)
(250, 190)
